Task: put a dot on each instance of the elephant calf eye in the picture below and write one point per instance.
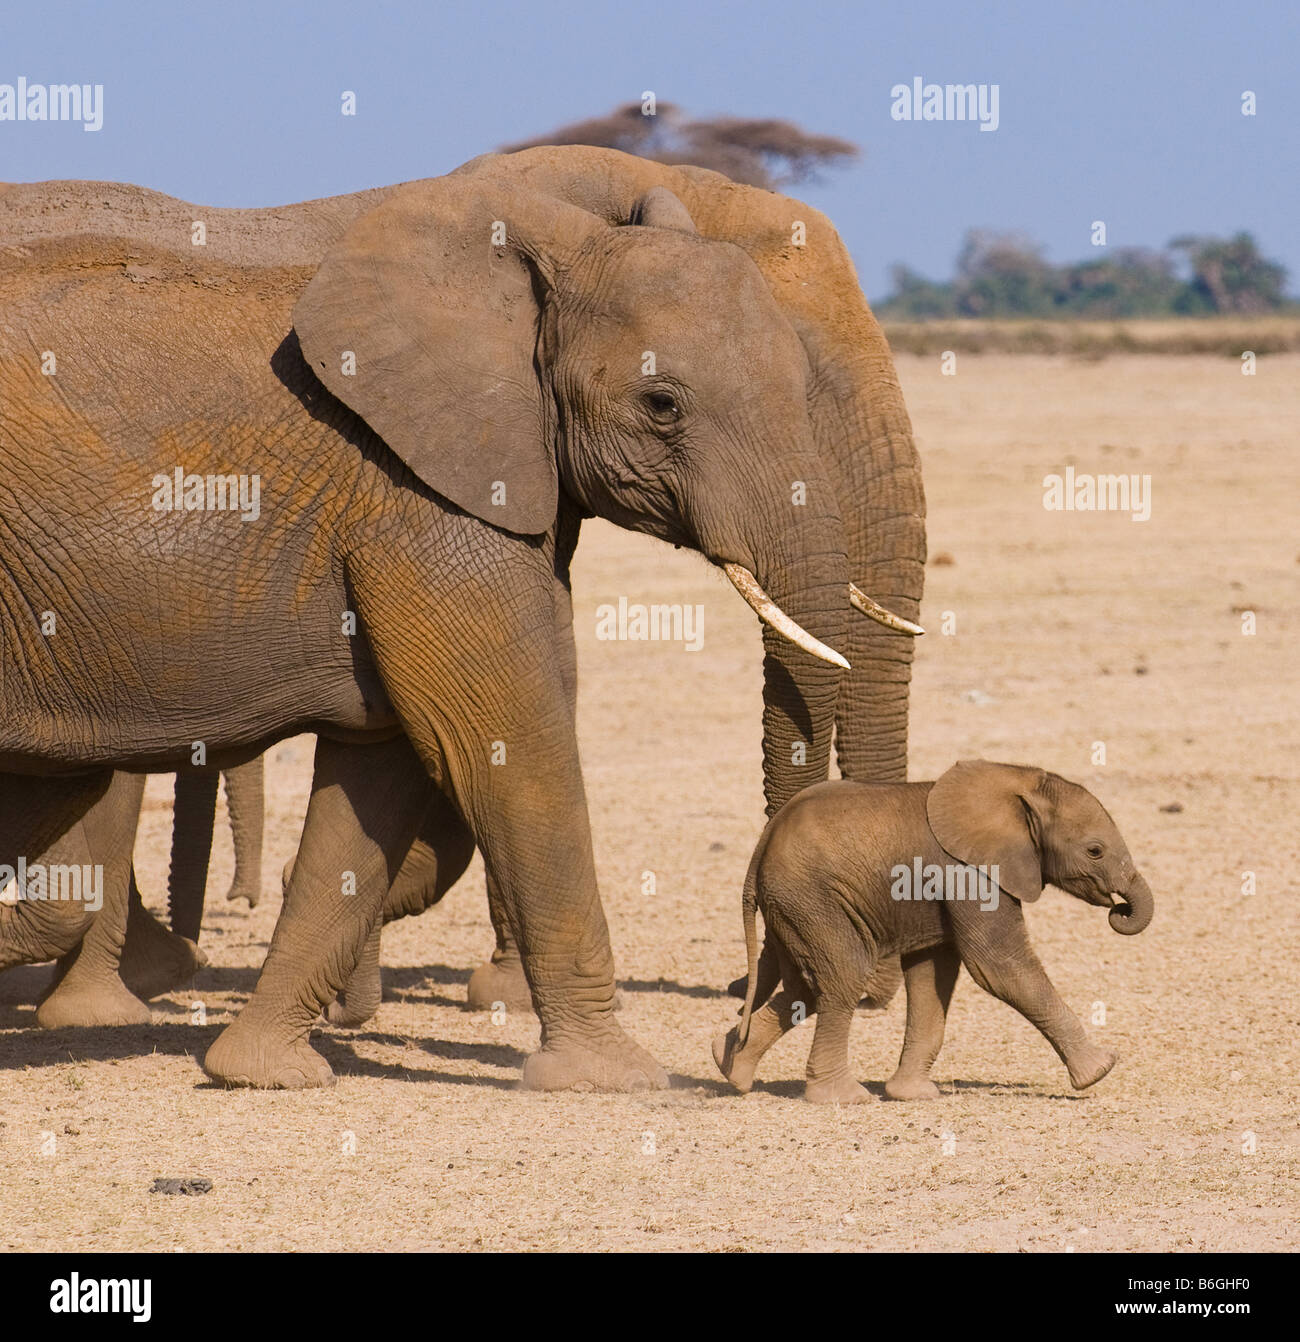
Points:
(1095, 850)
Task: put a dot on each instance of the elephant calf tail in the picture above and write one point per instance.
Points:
(749, 912)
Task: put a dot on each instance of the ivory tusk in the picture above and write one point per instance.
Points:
(767, 610)
(875, 611)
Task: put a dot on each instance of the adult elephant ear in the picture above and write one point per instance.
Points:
(989, 815)
(425, 320)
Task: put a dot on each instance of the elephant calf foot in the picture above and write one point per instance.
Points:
(1089, 1065)
(608, 1061)
(245, 1055)
(841, 1089)
(738, 1065)
(911, 1086)
(102, 1001)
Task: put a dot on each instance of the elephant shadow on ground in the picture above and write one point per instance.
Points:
(337, 1050)
(662, 985)
(104, 1043)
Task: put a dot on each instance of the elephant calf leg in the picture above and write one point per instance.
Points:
(1018, 978)
(737, 1062)
(829, 1078)
(930, 976)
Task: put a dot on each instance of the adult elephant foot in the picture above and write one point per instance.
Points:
(609, 1062)
(154, 959)
(102, 1001)
(249, 1055)
(911, 1086)
(499, 980)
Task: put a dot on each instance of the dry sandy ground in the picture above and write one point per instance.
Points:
(1070, 629)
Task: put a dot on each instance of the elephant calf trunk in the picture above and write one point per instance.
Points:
(1135, 913)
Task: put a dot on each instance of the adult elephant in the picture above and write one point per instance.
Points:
(863, 441)
(465, 378)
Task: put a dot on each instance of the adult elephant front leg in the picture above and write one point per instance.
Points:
(501, 979)
(366, 803)
(489, 714)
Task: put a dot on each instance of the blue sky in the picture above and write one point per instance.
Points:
(1125, 112)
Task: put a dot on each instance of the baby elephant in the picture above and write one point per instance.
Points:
(849, 872)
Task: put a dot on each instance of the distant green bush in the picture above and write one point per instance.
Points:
(1005, 275)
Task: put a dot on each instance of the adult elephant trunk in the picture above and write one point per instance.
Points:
(865, 437)
(1135, 914)
(799, 689)
(799, 568)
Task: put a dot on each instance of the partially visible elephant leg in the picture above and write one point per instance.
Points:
(995, 948)
(777, 1016)
(35, 813)
(436, 861)
(500, 979)
(884, 983)
(365, 807)
(155, 960)
(360, 999)
(931, 977)
(90, 990)
(196, 805)
(246, 802)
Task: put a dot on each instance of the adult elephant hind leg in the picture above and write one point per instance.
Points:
(90, 990)
(365, 805)
(35, 814)
(931, 976)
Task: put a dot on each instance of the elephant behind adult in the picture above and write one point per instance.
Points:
(115, 958)
(704, 454)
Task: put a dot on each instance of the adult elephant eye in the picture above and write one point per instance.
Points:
(662, 405)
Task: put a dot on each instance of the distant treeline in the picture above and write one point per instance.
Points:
(1003, 275)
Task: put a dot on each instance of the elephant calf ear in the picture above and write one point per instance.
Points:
(977, 811)
(423, 319)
